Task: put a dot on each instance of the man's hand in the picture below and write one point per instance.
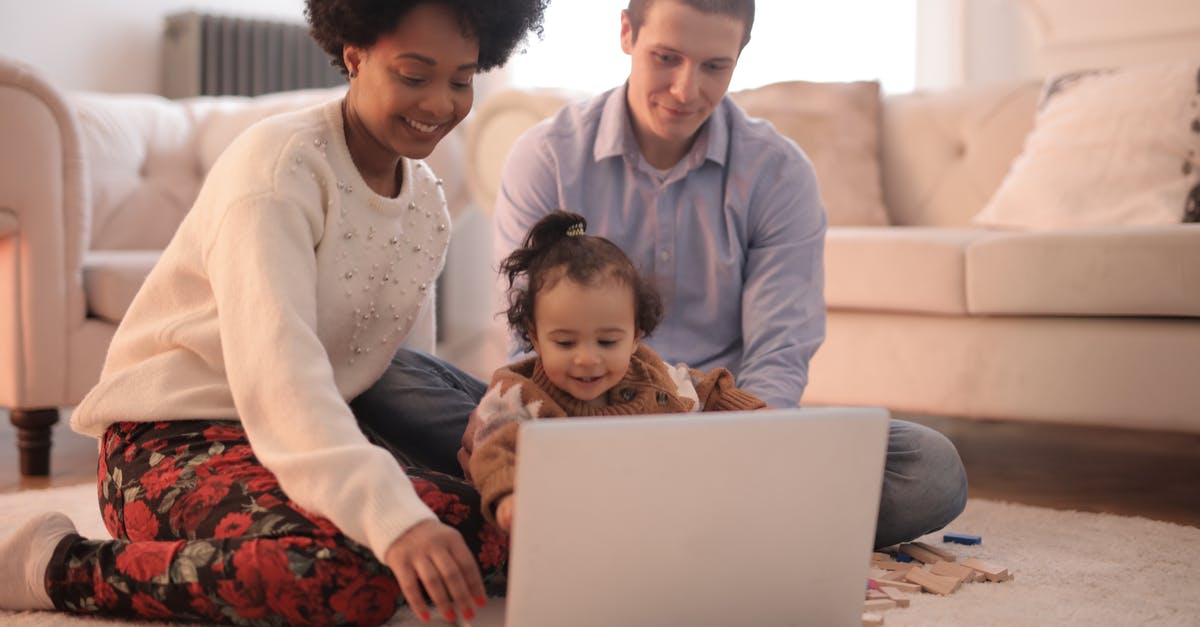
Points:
(468, 443)
(504, 514)
(433, 555)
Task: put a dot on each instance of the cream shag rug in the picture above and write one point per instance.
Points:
(1071, 568)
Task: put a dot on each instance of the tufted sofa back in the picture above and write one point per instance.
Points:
(147, 157)
(942, 154)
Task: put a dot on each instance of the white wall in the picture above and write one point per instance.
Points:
(108, 45)
(115, 45)
(968, 42)
(982, 41)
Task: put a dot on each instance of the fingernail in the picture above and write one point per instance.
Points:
(469, 613)
(448, 614)
(481, 601)
(424, 616)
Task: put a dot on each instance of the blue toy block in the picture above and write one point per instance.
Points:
(962, 538)
(901, 556)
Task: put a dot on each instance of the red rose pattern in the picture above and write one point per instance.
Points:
(182, 552)
(160, 478)
(111, 522)
(448, 507)
(493, 549)
(148, 607)
(143, 561)
(140, 523)
(233, 525)
(366, 601)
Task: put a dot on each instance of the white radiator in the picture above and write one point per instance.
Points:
(216, 55)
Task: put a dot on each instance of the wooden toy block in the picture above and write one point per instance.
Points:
(880, 556)
(879, 605)
(951, 569)
(942, 553)
(891, 565)
(876, 573)
(894, 575)
(902, 600)
(871, 619)
(902, 586)
(961, 538)
(876, 594)
(920, 553)
(937, 584)
(993, 572)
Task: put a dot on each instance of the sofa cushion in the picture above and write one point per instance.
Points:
(837, 126)
(148, 157)
(898, 269)
(141, 159)
(945, 152)
(111, 278)
(1109, 148)
(1125, 271)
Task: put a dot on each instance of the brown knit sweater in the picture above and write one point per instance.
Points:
(522, 391)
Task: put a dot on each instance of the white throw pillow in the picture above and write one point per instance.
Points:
(1108, 148)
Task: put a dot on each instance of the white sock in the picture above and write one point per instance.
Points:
(24, 557)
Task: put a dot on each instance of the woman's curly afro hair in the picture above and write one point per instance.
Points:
(499, 25)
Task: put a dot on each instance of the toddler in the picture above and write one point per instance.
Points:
(579, 304)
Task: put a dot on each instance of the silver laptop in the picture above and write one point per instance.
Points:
(738, 518)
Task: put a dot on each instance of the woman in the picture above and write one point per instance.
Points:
(232, 473)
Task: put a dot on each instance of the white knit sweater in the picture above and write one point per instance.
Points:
(285, 292)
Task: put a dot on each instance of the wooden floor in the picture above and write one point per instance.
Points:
(1151, 474)
(1093, 469)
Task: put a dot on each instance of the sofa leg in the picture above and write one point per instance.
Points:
(33, 439)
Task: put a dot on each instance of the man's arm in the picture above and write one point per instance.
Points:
(528, 191)
(783, 300)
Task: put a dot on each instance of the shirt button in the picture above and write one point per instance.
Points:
(665, 255)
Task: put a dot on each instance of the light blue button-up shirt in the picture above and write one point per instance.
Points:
(733, 235)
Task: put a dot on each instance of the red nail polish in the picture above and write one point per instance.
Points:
(424, 616)
(448, 614)
(469, 613)
(481, 601)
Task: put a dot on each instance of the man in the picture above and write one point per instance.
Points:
(724, 213)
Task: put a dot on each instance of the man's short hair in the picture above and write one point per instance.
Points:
(739, 9)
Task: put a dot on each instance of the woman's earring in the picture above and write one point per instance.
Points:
(353, 74)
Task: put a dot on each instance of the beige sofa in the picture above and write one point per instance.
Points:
(92, 187)
(930, 315)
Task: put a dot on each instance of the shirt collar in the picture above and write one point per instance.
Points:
(614, 137)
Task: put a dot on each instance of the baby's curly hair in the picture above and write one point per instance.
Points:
(499, 25)
(556, 248)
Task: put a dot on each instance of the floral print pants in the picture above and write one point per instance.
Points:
(204, 533)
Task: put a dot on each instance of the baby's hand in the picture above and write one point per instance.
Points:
(504, 514)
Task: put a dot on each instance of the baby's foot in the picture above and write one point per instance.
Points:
(24, 557)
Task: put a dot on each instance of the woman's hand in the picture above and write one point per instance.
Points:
(433, 555)
(504, 514)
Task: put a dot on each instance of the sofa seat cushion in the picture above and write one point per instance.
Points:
(1113, 271)
(898, 269)
(111, 278)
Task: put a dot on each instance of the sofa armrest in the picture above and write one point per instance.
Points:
(42, 187)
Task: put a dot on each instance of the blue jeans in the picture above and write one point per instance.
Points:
(924, 484)
(419, 409)
(420, 406)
